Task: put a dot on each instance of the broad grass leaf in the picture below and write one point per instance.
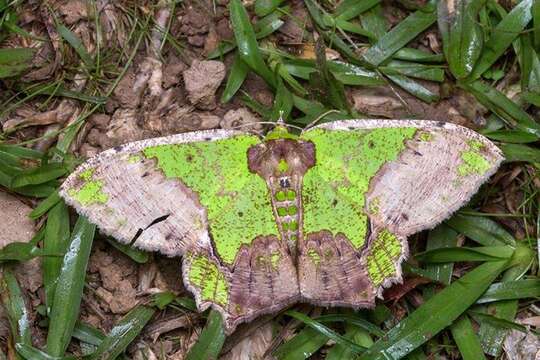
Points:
(69, 288)
(211, 339)
(448, 304)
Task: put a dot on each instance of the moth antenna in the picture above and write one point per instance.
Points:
(314, 122)
(266, 123)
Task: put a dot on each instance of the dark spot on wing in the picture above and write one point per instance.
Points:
(371, 144)
(118, 148)
(440, 123)
(334, 202)
(146, 173)
(240, 214)
(207, 139)
(405, 216)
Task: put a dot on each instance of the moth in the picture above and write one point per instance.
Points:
(262, 223)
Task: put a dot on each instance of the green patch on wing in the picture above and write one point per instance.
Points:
(206, 276)
(381, 261)
(91, 190)
(237, 201)
(334, 189)
(473, 161)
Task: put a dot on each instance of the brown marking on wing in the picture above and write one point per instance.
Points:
(263, 280)
(332, 273)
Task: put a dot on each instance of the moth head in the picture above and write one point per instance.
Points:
(281, 157)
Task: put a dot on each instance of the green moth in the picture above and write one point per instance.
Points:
(260, 224)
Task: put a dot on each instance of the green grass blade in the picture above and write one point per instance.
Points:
(39, 175)
(76, 43)
(401, 34)
(501, 105)
(123, 333)
(14, 61)
(354, 334)
(69, 288)
(61, 91)
(448, 304)
(374, 21)
(31, 353)
(306, 343)
(416, 55)
(348, 9)
(440, 237)
(56, 241)
(468, 344)
(21, 151)
(519, 152)
(352, 319)
(535, 10)
(511, 290)
(491, 333)
(502, 36)
(265, 7)
(211, 340)
(135, 254)
(283, 102)
(14, 304)
(237, 75)
(465, 38)
(481, 229)
(512, 136)
(248, 48)
(88, 334)
(418, 71)
(45, 205)
(482, 253)
(326, 331)
(412, 87)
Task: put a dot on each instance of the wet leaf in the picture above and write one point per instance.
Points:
(39, 175)
(485, 253)
(511, 290)
(265, 7)
(69, 288)
(481, 229)
(15, 306)
(56, 241)
(401, 34)
(77, 45)
(31, 353)
(211, 340)
(15, 60)
(123, 333)
(135, 254)
(502, 36)
(304, 344)
(248, 48)
(465, 40)
(448, 304)
(237, 75)
(468, 344)
(518, 152)
(348, 9)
